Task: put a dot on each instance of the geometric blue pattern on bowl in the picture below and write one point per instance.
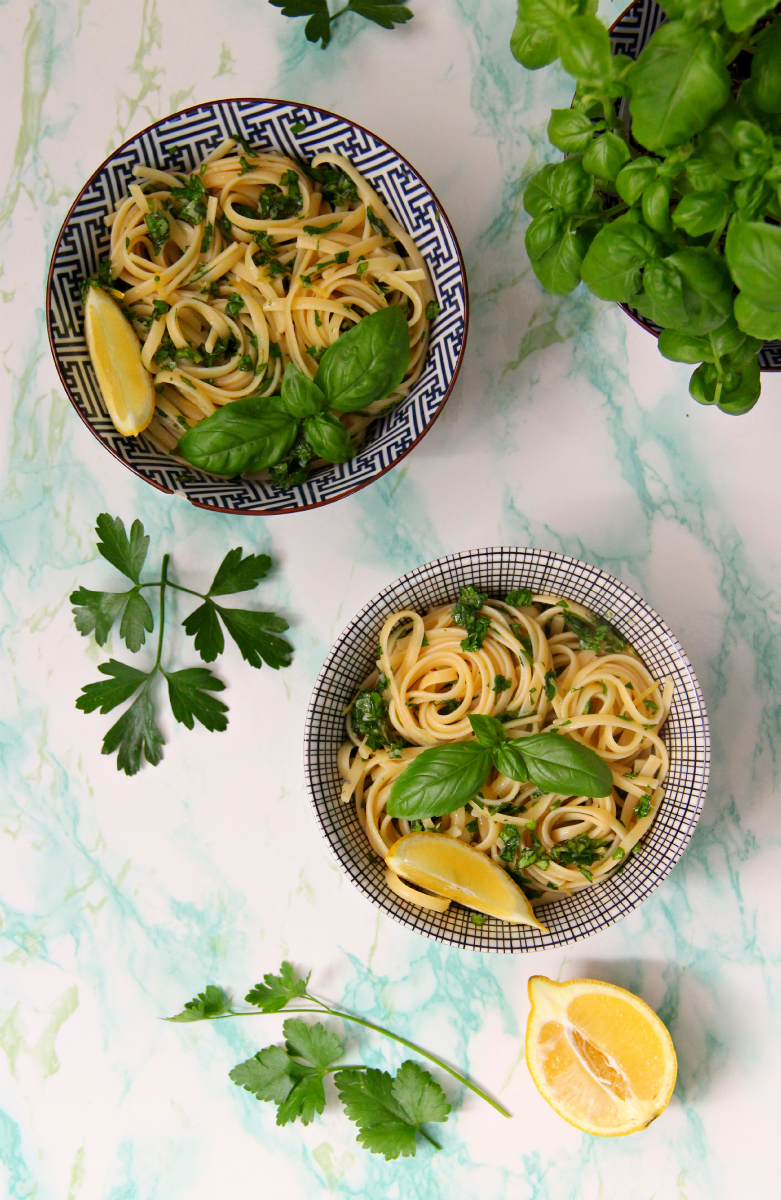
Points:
(179, 142)
(496, 571)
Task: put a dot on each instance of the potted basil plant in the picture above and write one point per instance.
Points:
(669, 198)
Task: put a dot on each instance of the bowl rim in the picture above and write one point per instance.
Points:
(193, 108)
(455, 557)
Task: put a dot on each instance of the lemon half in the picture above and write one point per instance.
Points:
(599, 1055)
(453, 869)
(115, 351)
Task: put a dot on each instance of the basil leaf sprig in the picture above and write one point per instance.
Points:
(257, 634)
(388, 1110)
(642, 221)
(364, 364)
(386, 13)
(444, 778)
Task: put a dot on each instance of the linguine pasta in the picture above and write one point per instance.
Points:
(534, 673)
(249, 263)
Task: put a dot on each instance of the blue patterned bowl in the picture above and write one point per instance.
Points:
(180, 141)
(496, 570)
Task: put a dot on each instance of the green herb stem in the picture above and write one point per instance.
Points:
(163, 585)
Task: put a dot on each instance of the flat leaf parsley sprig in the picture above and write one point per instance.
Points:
(189, 690)
(389, 1110)
(386, 13)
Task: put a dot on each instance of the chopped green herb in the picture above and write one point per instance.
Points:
(206, 240)
(319, 230)
(643, 807)
(362, 266)
(235, 304)
(316, 352)
(511, 839)
(477, 919)
(466, 614)
(245, 166)
(370, 718)
(160, 308)
(245, 363)
(158, 229)
(193, 208)
(595, 635)
(619, 853)
(299, 127)
(520, 598)
(433, 309)
(501, 684)
(550, 684)
(377, 224)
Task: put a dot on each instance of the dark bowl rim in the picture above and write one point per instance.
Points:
(250, 512)
(326, 669)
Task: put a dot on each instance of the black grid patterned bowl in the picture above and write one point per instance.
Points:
(178, 143)
(496, 571)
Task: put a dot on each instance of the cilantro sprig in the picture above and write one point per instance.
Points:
(386, 13)
(389, 1110)
(190, 691)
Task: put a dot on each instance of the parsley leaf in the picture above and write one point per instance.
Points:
(125, 680)
(275, 1074)
(511, 840)
(643, 807)
(433, 309)
(255, 633)
(383, 12)
(389, 1111)
(520, 598)
(376, 223)
(386, 13)
(188, 692)
(370, 718)
(466, 614)
(206, 1005)
(277, 990)
(206, 240)
(135, 733)
(96, 612)
(501, 684)
(550, 684)
(319, 230)
(338, 187)
(234, 304)
(128, 555)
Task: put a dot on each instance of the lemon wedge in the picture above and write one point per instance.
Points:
(453, 869)
(115, 351)
(599, 1055)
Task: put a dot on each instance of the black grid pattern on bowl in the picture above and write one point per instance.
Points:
(179, 142)
(495, 571)
(628, 36)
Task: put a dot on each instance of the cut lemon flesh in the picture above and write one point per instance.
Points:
(599, 1055)
(115, 351)
(454, 870)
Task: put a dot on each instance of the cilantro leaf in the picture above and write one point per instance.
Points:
(204, 625)
(255, 635)
(207, 1004)
(188, 691)
(96, 612)
(105, 696)
(383, 12)
(313, 1043)
(136, 619)
(277, 991)
(388, 1111)
(237, 574)
(135, 733)
(128, 555)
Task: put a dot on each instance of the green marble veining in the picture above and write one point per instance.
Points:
(121, 898)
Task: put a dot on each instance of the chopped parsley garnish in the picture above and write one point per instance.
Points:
(377, 224)
(193, 208)
(293, 469)
(206, 240)
(235, 304)
(595, 635)
(619, 853)
(338, 187)
(643, 807)
(299, 127)
(370, 718)
(433, 309)
(511, 840)
(274, 350)
(448, 707)
(362, 266)
(477, 919)
(158, 229)
(319, 230)
(520, 598)
(520, 633)
(316, 352)
(501, 684)
(245, 363)
(274, 205)
(225, 226)
(245, 166)
(550, 684)
(242, 142)
(160, 307)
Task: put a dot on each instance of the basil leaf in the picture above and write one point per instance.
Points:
(741, 14)
(245, 435)
(570, 186)
(300, 397)
(328, 438)
(753, 252)
(766, 70)
(606, 156)
(682, 347)
(755, 320)
(615, 258)
(510, 761)
(488, 731)
(557, 764)
(584, 49)
(543, 233)
(678, 83)
(634, 178)
(558, 270)
(533, 47)
(439, 781)
(570, 130)
(690, 290)
(537, 197)
(367, 362)
(701, 212)
(740, 386)
(656, 206)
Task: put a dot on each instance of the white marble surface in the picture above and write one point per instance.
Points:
(120, 898)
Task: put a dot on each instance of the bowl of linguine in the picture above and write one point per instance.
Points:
(241, 239)
(539, 649)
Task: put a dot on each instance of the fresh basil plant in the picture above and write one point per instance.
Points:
(682, 220)
(444, 778)
(363, 365)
